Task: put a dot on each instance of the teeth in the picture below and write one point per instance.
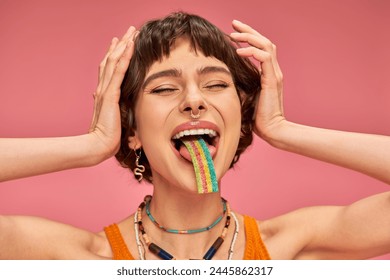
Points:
(201, 131)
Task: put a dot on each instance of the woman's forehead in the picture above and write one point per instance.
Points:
(183, 57)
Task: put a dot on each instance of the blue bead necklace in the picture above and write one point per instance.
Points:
(184, 231)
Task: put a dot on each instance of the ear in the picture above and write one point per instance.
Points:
(134, 142)
(243, 96)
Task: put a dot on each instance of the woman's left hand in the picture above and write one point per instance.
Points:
(269, 115)
(105, 128)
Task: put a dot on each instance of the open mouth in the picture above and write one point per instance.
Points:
(210, 136)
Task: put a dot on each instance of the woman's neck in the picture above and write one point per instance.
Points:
(180, 210)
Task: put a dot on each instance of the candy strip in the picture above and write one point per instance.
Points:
(203, 168)
(210, 165)
(206, 179)
(203, 159)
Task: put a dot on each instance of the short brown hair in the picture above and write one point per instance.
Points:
(154, 43)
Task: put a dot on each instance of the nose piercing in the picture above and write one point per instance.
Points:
(197, 116)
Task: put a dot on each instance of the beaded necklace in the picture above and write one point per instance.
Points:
(178, 231)
(141, 249)
(161, 253)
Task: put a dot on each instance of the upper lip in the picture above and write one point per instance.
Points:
(195, 125)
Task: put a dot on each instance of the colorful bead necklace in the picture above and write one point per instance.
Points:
(177, 231)
(161, 253)
(141, 249)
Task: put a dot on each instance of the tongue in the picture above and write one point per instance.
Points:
(186, 154)
(200, 154)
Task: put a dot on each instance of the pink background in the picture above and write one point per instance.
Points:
(334, 55)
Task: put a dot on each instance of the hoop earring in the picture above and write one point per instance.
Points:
(140, 168)
(197, 116)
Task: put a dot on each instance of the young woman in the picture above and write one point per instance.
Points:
(179, 81)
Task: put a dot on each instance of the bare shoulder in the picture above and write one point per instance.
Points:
(288, 236)
(24, 237)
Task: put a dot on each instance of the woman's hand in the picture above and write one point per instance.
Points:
(269, 114)
(106, 125)
(369, 154)
(23, 157)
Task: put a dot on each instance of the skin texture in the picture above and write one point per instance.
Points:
(323, 232)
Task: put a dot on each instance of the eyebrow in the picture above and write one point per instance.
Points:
(166, 73)
(214, 69)
(176, 73)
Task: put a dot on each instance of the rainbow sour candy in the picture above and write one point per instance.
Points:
(206, 179)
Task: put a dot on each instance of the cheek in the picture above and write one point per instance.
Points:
(231, 112)
(151, 120)
(150, 117)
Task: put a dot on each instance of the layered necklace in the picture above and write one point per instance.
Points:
(163, 254)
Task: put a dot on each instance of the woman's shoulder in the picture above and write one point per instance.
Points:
(287, 235)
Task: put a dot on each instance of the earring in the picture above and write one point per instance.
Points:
(197, 116)
(140, 168)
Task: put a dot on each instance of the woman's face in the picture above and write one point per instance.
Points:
(173, 87)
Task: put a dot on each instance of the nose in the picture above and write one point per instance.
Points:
(193, 104)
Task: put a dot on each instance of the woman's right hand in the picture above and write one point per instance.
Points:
(106, 125)
(269, 116)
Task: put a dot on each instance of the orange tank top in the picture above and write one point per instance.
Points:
(254, 245)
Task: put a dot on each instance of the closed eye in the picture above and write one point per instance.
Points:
(163, 90)
(216, 87)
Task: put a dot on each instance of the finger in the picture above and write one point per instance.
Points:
(113, 44)
(263, 44)
(254, 40)
(102, 66)
(120, 70)
(267, 68)
(115, 56)
(257, 40)
(247, 33)
(129, 33)
(112, 61)
(244, 28)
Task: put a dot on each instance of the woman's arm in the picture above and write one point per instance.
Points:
(23, 157)
(33, 238)
(27, 157)
(365, 153)
(359, 230)
(356, 231)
